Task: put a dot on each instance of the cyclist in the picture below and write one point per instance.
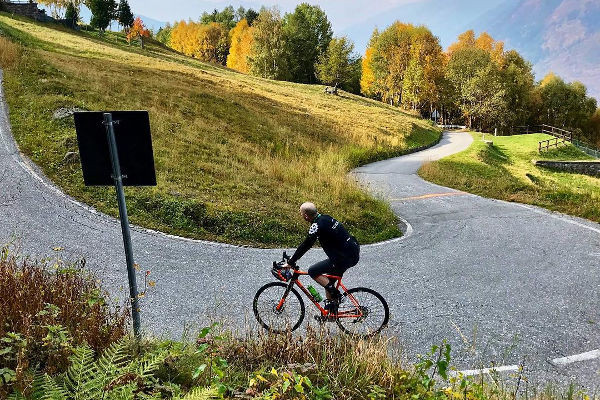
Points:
(341, 248)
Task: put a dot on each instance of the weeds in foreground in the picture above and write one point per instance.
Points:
(47, 310)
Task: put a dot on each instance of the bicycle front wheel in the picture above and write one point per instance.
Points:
(364, 312)
(288, 317)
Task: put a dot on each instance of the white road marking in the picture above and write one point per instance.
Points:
(588, 355)
(558, 216)
(502, 368)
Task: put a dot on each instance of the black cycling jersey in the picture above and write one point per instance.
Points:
(341, 247)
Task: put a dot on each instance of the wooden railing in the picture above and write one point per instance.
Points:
(561, 136)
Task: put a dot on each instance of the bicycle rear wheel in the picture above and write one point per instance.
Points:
(363, 313)
(288, 317)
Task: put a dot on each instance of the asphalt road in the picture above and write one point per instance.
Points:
(504, 283)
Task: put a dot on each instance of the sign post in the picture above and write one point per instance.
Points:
(116, 169)
(119, 157)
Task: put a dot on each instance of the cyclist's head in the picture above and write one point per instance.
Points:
(308, 211)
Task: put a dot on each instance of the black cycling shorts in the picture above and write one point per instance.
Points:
(326, 267)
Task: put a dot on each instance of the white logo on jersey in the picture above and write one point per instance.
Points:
(335, 225)
(313, 229)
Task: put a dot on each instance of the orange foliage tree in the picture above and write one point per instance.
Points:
(138, 31)
(242, 38)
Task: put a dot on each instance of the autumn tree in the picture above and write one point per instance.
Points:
(138, 31)
(334, 66)
(268, 54)
(124, 15)
(241, 45)
(307, 33)
(403, 65)
(207, 42)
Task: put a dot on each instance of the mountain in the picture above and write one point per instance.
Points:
(562, 36)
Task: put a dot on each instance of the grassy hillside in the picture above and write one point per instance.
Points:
(505, 171)
(235, 155)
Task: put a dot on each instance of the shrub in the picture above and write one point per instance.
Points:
(48, 309)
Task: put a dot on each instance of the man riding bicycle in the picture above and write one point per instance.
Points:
(341, 248)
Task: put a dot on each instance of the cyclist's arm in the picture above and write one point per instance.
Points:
(305, 245)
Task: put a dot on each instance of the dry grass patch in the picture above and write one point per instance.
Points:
(235, 154)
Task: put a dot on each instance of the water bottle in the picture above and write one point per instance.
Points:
(315, 294)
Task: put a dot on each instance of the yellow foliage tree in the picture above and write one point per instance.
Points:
(367, 78)
(207, 42)
(484, 42)
(242, 38)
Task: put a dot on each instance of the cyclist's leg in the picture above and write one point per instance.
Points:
(316, 272)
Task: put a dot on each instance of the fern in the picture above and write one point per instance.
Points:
(110, 365)
(79, 377)
(202, 394)
(16, 396)
(51, 390)
(149, 365)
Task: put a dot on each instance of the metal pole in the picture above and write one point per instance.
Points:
(114, 156)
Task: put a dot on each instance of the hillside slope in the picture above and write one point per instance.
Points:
(235, 154)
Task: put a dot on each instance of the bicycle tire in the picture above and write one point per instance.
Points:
(369, 299)
(270, 302)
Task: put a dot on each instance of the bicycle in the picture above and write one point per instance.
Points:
(361, 312)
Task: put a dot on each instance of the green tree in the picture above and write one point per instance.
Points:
(463, 70)
(518, 82)
(335, 66)
(72, 15)
(593, 129)
(227, 17)
(563, 104)
(250, 16)
(164, 34)
(307, 34)
(267, 57)
(103, 12)
(124, 15)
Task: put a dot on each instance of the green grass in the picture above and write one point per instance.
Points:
(505, 171)
(235, 154)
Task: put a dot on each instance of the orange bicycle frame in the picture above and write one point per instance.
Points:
(295, 281)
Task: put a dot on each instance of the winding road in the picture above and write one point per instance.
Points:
(505, 283)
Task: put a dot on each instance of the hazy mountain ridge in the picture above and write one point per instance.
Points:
(562, 36)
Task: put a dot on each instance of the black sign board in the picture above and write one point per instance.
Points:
(134, 143)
